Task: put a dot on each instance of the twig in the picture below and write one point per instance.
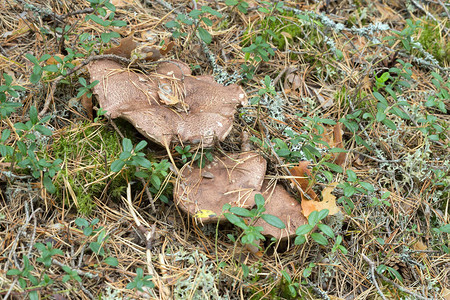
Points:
(372, 275)
(10, 289)
(384, 278)
(149, 238)
(402, 289)
(376, 159)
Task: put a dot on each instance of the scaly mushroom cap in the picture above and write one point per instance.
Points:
(280, 203)
(169, 104)
(234, 179)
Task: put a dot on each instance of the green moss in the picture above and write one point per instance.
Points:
(432, 39)
(86, 149)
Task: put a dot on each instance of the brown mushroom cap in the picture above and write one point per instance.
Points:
(280, 203)
(234, 179)
(206, 108)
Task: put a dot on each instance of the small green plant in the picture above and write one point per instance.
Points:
(292, 286)
(258, 51)
(24, 276)
(100, 17)
(391, 271)
(141, 281)
(102, 238)
(194, 18)
(86, 88)
(241, 5)
(47, 251)
(70, 275)
(184, 152)
(26, 149)
(313, 221)
(251, 234)
(132, 157)
(405, 36)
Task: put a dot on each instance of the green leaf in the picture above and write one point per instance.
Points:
(231, 2)
(13, 272)
(389, 124)
(204, 35)
(48, 184)
(31, 58)
(112, 261)
(117, 165)
(351, 176)
(273, 220)
(323, 214)
(259, 200)
(334, 167)
(156, 182)
(140, 146)
(240, 211)
(369, 187)
(326, 229)
(235, 220)
(172, 24)
(445, 228)
(127, 145)
(143, 162)
(319, 238)
(44, 130)
(33, 115)
(304, 229)
(299, 240)
(51, 68)
(313, 218)
(380, 98)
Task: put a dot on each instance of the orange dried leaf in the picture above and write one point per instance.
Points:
(301, 173)
(329, 202)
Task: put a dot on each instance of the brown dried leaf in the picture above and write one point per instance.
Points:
(126, 46)
(86, 102)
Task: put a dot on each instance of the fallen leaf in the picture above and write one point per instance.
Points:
(328, 202)
(86, 102)
(126, 46)
(302, 174)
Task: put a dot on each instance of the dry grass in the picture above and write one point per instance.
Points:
(188, 261)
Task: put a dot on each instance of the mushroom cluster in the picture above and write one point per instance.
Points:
(171, 105)
(168, 105)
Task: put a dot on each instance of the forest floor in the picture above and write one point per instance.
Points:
(344, 103)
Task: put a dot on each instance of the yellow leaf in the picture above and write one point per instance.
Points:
(329, 202)
(205, 213)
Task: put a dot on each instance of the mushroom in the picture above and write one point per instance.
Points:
(280, 203)
(169, 104)
(233, 179)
